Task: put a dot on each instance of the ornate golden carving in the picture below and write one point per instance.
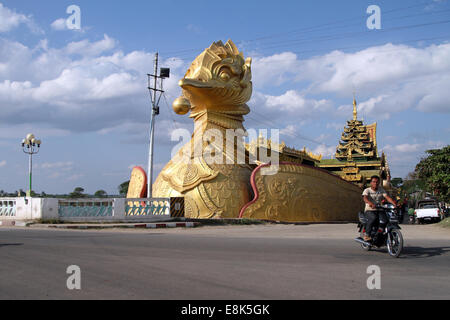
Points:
(303, 194)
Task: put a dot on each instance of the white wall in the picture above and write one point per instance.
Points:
(47, 209)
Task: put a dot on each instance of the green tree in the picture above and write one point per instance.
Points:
(77, 193)
(101, 194)
(123, 188)
(435, 172)
(397, 182)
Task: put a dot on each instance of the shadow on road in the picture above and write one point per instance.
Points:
(10, 244)
(420, 252)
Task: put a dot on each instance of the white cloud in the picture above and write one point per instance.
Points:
(57, 165)
(9, 20)
(2, 163)
(59, 24)
(292, 106)
(290, 131)
(87, 48)
(84, 86)
(414, 148)
(374, 66)
(325, 151)
(392, 78)
(274, 70)
(93, 86)
(403, 158)
(404, 148)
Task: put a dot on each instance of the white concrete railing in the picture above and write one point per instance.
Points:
(20, 208)
(84, 210)
(7, 207)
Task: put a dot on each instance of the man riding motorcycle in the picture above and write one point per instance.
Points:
(373, 197)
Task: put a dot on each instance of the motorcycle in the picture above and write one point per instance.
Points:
(389, 236)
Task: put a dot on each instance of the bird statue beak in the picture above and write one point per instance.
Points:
(183, 83)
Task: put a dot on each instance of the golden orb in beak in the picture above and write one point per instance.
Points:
(181, 106)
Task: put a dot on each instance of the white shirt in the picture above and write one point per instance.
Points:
(375, 197)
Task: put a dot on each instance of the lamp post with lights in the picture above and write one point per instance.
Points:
(31, 146)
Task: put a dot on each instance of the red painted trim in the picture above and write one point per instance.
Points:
(255, 190)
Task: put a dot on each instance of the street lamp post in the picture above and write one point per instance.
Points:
(31, 146)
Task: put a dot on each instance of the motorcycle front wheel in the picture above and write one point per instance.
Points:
(395, 243)
(365, 247)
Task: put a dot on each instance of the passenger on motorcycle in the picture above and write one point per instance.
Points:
(373, 197)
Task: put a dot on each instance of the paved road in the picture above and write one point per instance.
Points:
(237, 262)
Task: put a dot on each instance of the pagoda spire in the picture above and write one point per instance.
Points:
(355, 109)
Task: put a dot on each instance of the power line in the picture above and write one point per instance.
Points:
(332, 23)
(353, 34)
(309, 38)
(341, 36)
(376, 44)
(312, 28)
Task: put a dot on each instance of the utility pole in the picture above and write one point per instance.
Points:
(154, 90)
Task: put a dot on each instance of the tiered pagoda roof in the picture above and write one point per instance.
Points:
(357, 141)
(357, 158)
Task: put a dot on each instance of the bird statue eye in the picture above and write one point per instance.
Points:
(225, 75)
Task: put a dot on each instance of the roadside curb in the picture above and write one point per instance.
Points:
(130, 226)
(13, 223)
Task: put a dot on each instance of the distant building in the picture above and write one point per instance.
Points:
(356, 159)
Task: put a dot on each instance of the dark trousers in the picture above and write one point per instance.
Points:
(372, 217)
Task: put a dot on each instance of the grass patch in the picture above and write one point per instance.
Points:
(445, 223)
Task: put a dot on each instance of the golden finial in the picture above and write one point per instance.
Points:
(355, 108)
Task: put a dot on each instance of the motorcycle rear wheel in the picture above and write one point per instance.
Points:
(395, 243)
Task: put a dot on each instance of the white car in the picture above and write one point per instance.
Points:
(428, 211)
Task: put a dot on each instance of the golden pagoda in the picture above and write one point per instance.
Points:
(356, 159)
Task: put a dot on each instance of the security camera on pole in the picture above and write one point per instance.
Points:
(154, 91)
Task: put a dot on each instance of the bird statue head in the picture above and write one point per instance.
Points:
(219, 79)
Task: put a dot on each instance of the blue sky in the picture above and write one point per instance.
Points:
(84, 92)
